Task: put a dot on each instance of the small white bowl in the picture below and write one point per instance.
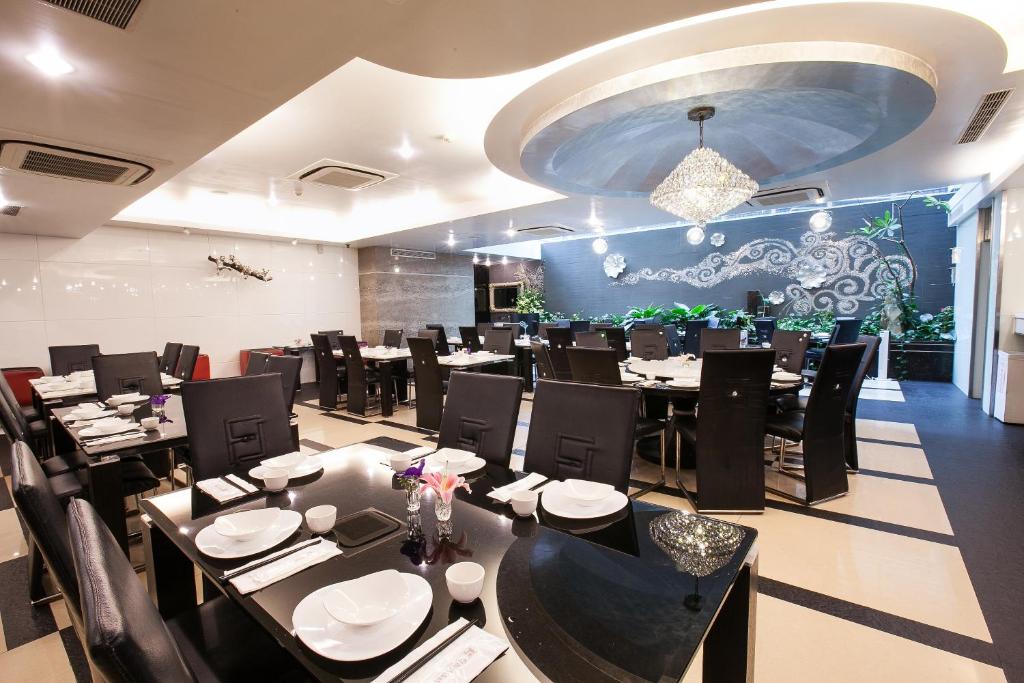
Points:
(524, 503)
(651, 376)
(367, 600)
(400, 462)
(465, 581)
(150, 423)
(288, 461)
(321, 518)
(274, 478)
(126, 409)
(587, 493)
(243, 526)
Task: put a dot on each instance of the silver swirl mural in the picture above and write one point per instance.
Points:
(829, 274)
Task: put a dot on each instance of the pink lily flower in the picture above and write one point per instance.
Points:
(443, 484)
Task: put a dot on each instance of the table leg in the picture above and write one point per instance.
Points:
(106, 494)
(526, 367)
(386, 406)
(170, 576)
(729, 645)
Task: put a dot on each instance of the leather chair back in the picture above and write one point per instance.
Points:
(790, 347)
(393, 338)
(560, 339)
(327, 366)
(617, 340)
(871, 344)
(675, 344)
(719, 339)
(257, 364)
(126, 640)
(734, 390)
(845, 331)
(481, 328)
(480, 415)
(470, 339)
(578, 326)
(357, 382)
(594, 366)
(542, 329)
(441, 343)
(543, 360)
(45, 519)
(333, 336)
(13, 421)
(123, 373)
(649, 344)
(187, 362)
(10, 402)
(500, 340)
(235, 422)
(692, 331)
(67, 359)
(289, 368)
(765, 329)
(429, 383)
(582, 431)
(432, 335)
(597, 339)
(647, 326)
(169, 359)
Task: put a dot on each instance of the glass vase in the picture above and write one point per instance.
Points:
(442, 510)
(412, 500)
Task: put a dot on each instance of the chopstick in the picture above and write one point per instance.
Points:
(228, 481)
(419, 663)
(267, 560)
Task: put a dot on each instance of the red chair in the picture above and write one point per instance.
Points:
(243, 358)
(202, 370)
(18, 379)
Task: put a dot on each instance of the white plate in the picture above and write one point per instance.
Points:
(343, 643)
(554, 500)
(114, 402)
(242, 526)
(453, 456)
(212, 544)
(786, 377)
(103, 428)
(367, 600)
(288, 461)
(311, 465)
(471, 465)
(684, 383)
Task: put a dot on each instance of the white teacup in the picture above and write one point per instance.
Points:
(400, 462)
(150, 422)
(651, 376)
(321, 518)
(126, 409)
(524, 502)
(465, 581)
(274, 478)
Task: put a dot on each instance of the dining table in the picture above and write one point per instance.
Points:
(576, 600)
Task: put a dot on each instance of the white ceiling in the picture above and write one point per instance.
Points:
(236, 95)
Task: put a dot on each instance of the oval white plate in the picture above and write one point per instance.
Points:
(553, 500)
(684, 383)
(367, 600)
(108, 428)
(454, 456)
(471, 465)
(212, 544)
(786, 377)
(343, 643)
(310, 466)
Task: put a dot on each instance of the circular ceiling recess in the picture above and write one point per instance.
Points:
(776, 121)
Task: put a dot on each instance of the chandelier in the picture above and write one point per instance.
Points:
(704, 185)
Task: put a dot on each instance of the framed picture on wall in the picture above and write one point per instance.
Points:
(503, 296)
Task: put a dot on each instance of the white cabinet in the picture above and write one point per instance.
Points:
(1009, 397)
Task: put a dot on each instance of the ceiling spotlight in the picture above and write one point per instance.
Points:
(406, 151)
(397, 269)
(294, 242)
(49, 61)
(187, 231)
(451, 240)
(504, 260)
(820, 221)
(820, 199)
(695, 235)
(592, 220)
(298, 188)
(476, 258)
(600, 245)
(487, 262)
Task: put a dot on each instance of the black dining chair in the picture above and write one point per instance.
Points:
(727, 433)
(582, 431)
(257, 363)
(542, 329)
(597, 339)
(844, 331)
(820, 428)
(75, 358)
(442, 339)
(578, 326)
(18, 426)
(234, 422)
(616, 337)
(481, 414)
(764, 329)
(675, 344)
(432, 335)
(647, 326)
(332, 372)
(187, 362)
(470, 339)
(719, 339)
(648, 344)
(594, 366)
(360, 379)
(124, 373)
(169, 359)
(543, 361)
(481, 328)
(393, 338)
(790, 347)
(288, 367)
(127, 641)
(429, 383)
(500, 340)
(333, 336)
(560, 339)
(692, 330)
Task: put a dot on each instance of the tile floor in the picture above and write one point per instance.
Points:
(872, 586)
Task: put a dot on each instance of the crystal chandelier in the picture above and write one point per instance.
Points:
(704, 185)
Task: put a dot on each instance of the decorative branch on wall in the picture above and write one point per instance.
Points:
(831, 274)
(229, 262)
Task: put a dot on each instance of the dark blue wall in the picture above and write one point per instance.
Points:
(575, 280)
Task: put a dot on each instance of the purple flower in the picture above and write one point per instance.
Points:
(415, 471)
(159, 399)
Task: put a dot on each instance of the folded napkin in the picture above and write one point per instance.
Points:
(630, 377)
(79, 421)
(57, 393)
(115, 438)
(462, 660)
(222, 491)
(47, 379)
(503, 494)
(285, 567)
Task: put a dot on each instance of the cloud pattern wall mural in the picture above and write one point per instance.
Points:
(828, 273)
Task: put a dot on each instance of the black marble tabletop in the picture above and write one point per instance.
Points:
(170, 432)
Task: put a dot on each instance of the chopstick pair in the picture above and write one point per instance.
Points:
(228, 575)
(422, 661)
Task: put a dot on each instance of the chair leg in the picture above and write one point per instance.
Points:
(36, 594)
(661, 482)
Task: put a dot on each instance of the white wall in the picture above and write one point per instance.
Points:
(963, 301)
(133, 290)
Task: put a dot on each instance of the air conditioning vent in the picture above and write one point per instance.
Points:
(71, 164)
(413, 253)
(114, 12)
(544, 231)
(342, 175)
(786, 196)
(10, 210)
(983, 115)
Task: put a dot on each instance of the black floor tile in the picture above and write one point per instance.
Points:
(23, 623)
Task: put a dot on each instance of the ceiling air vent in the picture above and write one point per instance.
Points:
(10, 210)
(983, 115)
(413, 253)
(544, 231)
(114, 12)
(786, 196)
(72, 164)
(342, 175)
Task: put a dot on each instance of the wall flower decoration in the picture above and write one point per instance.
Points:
(717, 239)
(775, 298)
(614, 264)
(810, 275)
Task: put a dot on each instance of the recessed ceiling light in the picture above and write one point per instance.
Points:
(600, 245)
(49, 61)
(294, 242)
(397, 269)
(476, 258)
(451, 240)
(504, 260)
(488, 261)
(406, 151)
